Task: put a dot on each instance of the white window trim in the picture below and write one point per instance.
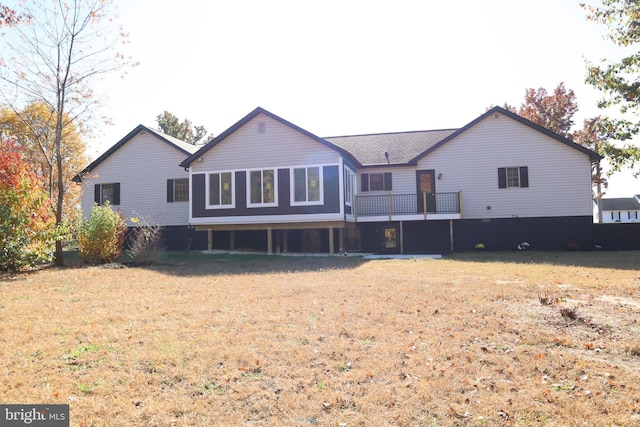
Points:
(233, 190)
(292, 195)
(351, 191)
(275, 188)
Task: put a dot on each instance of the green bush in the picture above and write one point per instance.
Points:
(101, 237)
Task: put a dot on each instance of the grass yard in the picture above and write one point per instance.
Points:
(481, 339)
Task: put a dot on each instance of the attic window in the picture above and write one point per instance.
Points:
(262, 127)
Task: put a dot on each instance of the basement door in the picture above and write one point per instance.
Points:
(390, 239)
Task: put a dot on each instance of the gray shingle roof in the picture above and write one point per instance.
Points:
(401, 147)
(620, 204)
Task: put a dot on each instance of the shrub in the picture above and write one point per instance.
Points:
(27, 221)
(101, 236)
(145, 244)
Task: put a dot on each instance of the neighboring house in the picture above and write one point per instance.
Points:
(139, 176)
(500, 180)
(622, 209)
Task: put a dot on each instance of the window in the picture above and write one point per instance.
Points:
(220, 190)
(178, 190)
(349, 186)
(513, 177)
(262, 187)
(376, 181)
(307, 186)
(104, 193)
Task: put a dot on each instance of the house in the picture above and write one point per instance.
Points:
(500, 180)
(621, 209)
(139, 176)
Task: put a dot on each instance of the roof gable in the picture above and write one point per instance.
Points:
(178, 144)
(620, 204)
(187, 162)
(499, 110)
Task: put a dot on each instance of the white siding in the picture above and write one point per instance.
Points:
(559, 176)
(278, 146)
(141, 166)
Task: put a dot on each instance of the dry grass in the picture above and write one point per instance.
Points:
(249, 340)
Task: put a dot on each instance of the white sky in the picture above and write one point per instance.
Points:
(349, 66)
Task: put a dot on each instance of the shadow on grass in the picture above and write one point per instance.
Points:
(617, 260)
(196, 263)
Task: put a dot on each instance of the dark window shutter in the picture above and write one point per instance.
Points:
(116, 193)
(96, 194)
(502, 177)
(169, 191)
(387, 182)
(524, 176)
(364, 181)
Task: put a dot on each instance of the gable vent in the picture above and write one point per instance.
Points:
(262, 127)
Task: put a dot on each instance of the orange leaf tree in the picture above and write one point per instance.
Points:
(27, 221)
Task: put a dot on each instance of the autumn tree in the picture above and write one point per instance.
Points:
(55, 59)
(183, 130)
(27, 221)
(9, 17)
(33, 128)
(619, 80)
(553, 111)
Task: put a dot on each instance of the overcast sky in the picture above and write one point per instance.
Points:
(350, 66)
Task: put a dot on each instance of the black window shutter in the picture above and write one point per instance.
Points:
(96, 195)
(387, 182)
(169, 191)
(116, 193)
(364, 181)
(502, 177)
(524, 176)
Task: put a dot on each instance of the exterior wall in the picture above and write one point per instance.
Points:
(620, 216)
(278, 146)
(243, 214)
(142, 167)
(559, 176)
(267, 143)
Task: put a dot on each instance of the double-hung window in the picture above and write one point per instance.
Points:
(513, 177)
(307, 187)
(349, 186)
(376, 182)
(262, 188)
(107, 193)
(220, 190)
(178, 190)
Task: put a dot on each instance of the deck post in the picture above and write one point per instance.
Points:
(424, 204)
(341, 248)
(209, 240)
(232, 239)
(331, 243)
(451, 234)
(355, 207)
(401, 239)
(285, 246)
(389, 206)
(269, 241)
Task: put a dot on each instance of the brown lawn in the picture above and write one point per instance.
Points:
(510, 339)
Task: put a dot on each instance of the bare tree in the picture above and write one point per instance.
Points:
(55, 57)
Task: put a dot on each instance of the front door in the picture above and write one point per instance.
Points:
(426, 185)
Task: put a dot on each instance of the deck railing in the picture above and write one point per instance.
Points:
(405, 204)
